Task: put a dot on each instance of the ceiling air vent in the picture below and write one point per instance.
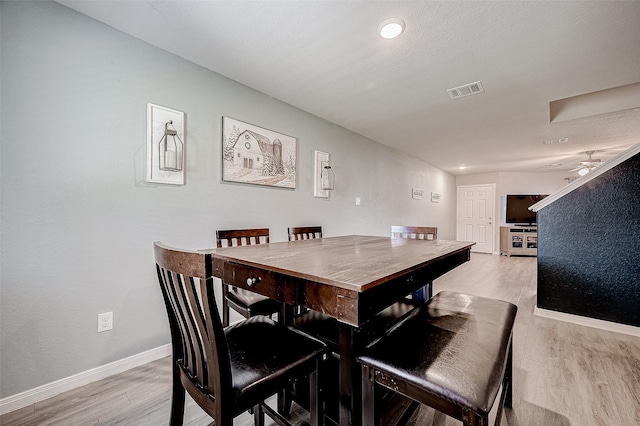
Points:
(466, 90)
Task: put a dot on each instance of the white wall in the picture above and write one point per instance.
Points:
(515, 183)
(78, 221)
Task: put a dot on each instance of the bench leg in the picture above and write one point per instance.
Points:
(508, 377)
(315, 401)
(469, 418)
(369, 412)
(258, 415)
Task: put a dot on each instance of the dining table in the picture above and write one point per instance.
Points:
(350, 278)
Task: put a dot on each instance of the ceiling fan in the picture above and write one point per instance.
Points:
(586, 166)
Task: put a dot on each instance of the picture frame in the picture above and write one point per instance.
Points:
(157, 118)
(319, 157)
(258, 156)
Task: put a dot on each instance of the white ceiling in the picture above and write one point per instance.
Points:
(325, 57)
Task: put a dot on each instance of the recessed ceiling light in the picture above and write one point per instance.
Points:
(462, 167)
(391, 28)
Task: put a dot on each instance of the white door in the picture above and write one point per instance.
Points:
(476, 204)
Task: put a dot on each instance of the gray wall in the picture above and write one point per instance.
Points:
(78, 221)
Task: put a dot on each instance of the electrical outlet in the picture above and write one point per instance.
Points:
(105, 321)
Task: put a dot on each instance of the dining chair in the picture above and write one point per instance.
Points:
(228, 371)
(415, 232)
(304, 233)
(246, 303)
(429, 233)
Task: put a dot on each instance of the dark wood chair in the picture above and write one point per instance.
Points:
(415, 232)
(428, 233)
(227, 371)
(452, 354)
(304, 233)
(246, 303)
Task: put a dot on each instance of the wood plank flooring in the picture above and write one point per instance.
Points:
(564, 374)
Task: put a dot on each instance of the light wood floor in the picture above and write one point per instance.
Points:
(564, 374)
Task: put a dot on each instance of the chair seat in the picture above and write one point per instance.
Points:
(260, 350)
(389, 316)
(318, 325)
(455, 347)
(253, 303)
(325, 328)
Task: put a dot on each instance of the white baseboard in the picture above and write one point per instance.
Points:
(48, 390)
(588, 322)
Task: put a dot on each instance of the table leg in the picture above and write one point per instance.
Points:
(285, 397)
(350, 377)
(286, 314)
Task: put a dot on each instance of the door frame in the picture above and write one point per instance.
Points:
(495, 223)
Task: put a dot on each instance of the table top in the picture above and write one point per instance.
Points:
(353, 262)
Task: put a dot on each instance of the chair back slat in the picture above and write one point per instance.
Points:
(242, 237)
(197, 335)
(193, 358)
(415, 232)
(304, 233)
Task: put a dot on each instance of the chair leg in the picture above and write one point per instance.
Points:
(225, 306)
(285, 400)
(177, 398)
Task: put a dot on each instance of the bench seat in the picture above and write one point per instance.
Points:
(451, 354)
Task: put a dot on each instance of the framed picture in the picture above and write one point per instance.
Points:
(165, 125)
(252, 154)
(319, 158)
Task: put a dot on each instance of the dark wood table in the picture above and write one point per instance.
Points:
(350, 278)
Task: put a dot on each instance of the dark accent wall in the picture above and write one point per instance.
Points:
(589, 248)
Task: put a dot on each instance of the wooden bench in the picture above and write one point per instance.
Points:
(451, 354)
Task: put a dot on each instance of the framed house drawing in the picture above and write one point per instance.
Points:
(252, 154)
